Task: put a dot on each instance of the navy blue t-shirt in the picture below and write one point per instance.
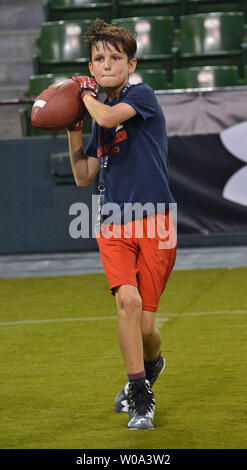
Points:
(137, 148)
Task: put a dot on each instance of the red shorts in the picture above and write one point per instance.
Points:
(141, 260)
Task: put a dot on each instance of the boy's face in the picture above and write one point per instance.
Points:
(109, 67)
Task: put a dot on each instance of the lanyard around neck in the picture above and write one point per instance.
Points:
(104, 158)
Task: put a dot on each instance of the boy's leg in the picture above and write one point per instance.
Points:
(154, 362)
(154, 266)
(137, 334)
(150, 335)
(141, 403)
(129, 306)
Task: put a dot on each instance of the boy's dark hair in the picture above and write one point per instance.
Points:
(110, 34)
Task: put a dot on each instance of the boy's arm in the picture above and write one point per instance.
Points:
(84, 167)
(108, 116)
(105, 116)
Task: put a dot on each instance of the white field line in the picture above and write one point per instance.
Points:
(159, 318)
(55, 320)
(197, 314)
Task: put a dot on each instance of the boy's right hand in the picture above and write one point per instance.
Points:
(87, 85)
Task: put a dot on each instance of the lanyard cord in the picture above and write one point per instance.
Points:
(104, 159)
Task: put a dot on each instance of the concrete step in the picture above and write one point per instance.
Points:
(21, 15)
(16, 51)
(18, 44)
(12, 91)
(20, 23)
(13, 72)
(27, 3)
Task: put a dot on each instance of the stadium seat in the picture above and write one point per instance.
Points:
(38, 83)
(205, 77)
(55, 10)
(127, 8)
(154, 36)
(245, 75)
(211, 39)
(157, 79)
(207, 6)
(61, 47)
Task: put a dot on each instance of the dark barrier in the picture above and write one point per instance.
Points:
(209, 184)
(35, 199)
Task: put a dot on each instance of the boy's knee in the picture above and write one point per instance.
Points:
(129, 301)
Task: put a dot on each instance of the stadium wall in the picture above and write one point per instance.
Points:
(35, 199)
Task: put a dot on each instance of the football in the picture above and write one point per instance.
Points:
(58, 107)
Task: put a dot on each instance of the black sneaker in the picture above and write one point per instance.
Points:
(141, 405)
(152, 373)
(121, 400)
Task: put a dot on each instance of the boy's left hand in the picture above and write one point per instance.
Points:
(78, 125)
(88, 85)
(75, 128)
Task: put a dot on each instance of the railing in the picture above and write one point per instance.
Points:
(8, 101)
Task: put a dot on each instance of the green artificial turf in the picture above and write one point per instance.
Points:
(59, 377)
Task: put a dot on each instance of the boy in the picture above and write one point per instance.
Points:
(129, 147)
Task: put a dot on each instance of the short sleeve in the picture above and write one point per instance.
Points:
(92, 145)
(142, 98)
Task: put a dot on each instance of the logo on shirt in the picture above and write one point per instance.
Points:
(112, 147)
(119, 127)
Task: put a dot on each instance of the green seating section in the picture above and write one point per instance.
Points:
(149, 8)
(157, 79)
(61, 47)
(79, 9)
(207, 6)
(202, 39)
(107, 9)
(205, 77)
(154, 36)
(245, 75)
(38, 83)
(180, 43)
(211, 39)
